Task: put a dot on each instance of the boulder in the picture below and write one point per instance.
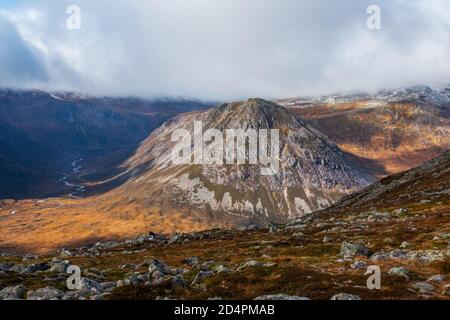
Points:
(349, 249)
(156, 265)
(399, 271)
(15, 292)
(423, 287)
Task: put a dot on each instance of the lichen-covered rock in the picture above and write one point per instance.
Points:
(349, 249)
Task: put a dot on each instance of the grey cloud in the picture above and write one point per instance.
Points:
(231, 49)
(19, 62)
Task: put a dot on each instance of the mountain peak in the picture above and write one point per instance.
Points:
(254, 113)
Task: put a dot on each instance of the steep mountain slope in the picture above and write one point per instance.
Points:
(42, 134)
(313, 172)
(388, 132)
(427, 185)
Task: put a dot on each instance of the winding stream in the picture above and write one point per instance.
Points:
(76, 169)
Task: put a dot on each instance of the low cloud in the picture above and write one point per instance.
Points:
(224, 49)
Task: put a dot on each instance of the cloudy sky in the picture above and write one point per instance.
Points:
(223, 49)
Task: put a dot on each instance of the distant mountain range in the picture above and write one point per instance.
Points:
(388, 132)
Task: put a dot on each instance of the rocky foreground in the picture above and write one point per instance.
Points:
(316, 257)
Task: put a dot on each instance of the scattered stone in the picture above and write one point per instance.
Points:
(399, 271)
(345, 296)
(6, 266)
(179, 282)
(175, 239)
(446, 290)
(221, 269)
(207, 265)
(296, 227)
(349, 249)
(88, 284)
(251, 263)
(47, 293)
(120, 283)
(60, 267)
(16, 292)
(193, 261)
(202, 275)
(405, 245)
(437, 278)
(65, 253)
(280, 297)
(398, 254)
(28, 257)
(426, 256)
(269, 264)
(328, 240)
(155, 265)
(107, 286)
(358, 265)
(423, 287)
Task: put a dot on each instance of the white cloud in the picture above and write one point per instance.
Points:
(229, 49)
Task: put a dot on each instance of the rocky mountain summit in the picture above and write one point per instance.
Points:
(311, 171)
